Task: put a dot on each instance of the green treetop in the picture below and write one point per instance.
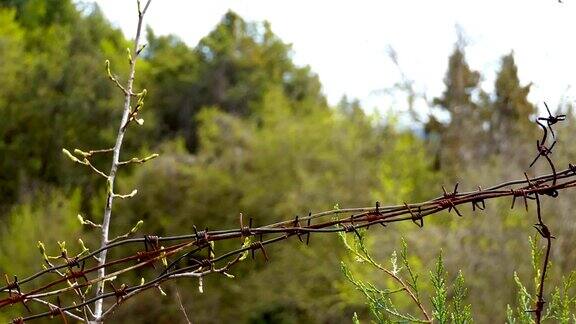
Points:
(456, 147)
(231, 68)
(511, 109)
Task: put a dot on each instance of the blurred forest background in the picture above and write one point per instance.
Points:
(241, 128)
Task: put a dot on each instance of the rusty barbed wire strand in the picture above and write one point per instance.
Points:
(364, 217)
(474, 196)
(351, 223)
(273, 228)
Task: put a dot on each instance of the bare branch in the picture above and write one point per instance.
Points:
(115, 160)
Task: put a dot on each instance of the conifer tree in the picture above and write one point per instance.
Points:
(456, 139)
(511, 111)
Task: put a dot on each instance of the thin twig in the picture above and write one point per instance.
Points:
(52, 306)
(182, 306)
(115, 160)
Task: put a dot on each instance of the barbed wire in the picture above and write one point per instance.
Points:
(373, 215)
(254, 239)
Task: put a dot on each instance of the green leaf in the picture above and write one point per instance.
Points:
(461, 312)
(439, 300)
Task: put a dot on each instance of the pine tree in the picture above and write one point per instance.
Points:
(511, 111)
(457, 139)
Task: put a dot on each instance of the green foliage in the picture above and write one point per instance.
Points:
(412, 276)
(512, 110)
(379, 301)
(495, 124)
(401, 175)
(448, 303)
(460, 81)
(50, 218)
(462, 313)
(266, 169)
(510, 113)
(239, 160)
(232, 68)
(53, 88)
(41, 13)
(452, 149)
(439, 299)
(382, 303)
(560, 307)
(242, 128)
(52, 75)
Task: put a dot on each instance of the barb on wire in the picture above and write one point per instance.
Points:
(416, 218)
(551, 120)
(447, 200)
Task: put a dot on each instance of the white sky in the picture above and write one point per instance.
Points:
(346, 42)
